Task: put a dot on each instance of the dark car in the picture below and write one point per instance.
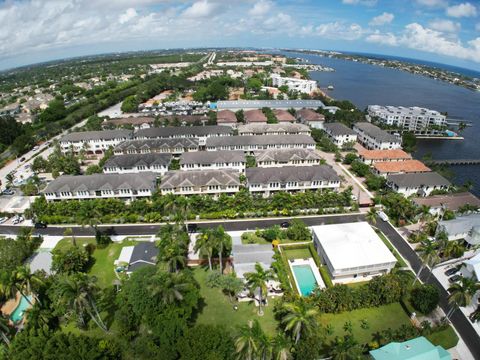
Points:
(40, 225)
(22, 159)
(191, 228)
(451, 271)
(8, 192)
(454, 278)
(285, 224)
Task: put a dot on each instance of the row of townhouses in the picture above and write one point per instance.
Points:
(409, 118)
(264, 181)
(340, 134)
(372, 137)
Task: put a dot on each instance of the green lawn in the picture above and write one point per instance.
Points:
(217, 308)
(301, 253)
(446, 338)
(400, 260)
(103, 267)
(378, 319)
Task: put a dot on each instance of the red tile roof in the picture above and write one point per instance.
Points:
(254, 116)
(407, 166)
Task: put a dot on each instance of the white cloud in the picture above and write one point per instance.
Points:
(444, 25)
(261, 8)
(128, 15)
(462, 10)
(360, 2)
(433, 3)
(382, 19)
(384, 39)
(200, 9)
(338, 30)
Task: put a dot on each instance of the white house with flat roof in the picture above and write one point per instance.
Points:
(352, 251)
(294, 84)
(410, 118)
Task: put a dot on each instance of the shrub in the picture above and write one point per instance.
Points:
(425, 298)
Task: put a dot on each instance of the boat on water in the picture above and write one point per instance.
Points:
(330, 87)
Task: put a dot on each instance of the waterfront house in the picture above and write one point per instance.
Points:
(340, 134)
(399, 167)
(372, 156)
(415, 349)
(372, 137)
(421, 184)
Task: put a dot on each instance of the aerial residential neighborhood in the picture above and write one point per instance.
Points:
(239, 202)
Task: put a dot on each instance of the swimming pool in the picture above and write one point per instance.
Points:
(17, 315)
(305, 278)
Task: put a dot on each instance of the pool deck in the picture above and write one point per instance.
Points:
(315, 271)
(9, 307)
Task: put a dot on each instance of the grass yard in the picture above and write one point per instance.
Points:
(390, 247)
(218, 310)
(103, 267)
(378, 319)
(301, 253)
(446, 338)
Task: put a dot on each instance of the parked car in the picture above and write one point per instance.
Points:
(285, 224)
(22, 159)
(3, 219)
(455, 278)
(383, 216)
(35, 148)
(451, 271)
(8, 192)
(40, 225)
(17, 219)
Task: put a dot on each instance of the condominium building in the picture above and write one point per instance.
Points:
(213, 160)
(101, 186)
(409, 118)
(93, 142)
(372, 137)
(287, 157)
(273, 129)
(294, 84)
(291, 178)
(340, 134)
(212, 182)
(251, 143)
(421, 184)
(202, 133)
(173, 146)
(138, 163)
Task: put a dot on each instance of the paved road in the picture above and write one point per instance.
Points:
(461, 323)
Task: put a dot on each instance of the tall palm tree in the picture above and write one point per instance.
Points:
(4, 330)
(453, 249)
(281, 348)
(205, 244)
(372, 216)
(425, 214)
(461, 293)
(24, 281)
(77, 292)
(69, 233)
(222, 241)
(258, 280)
(428, 252)
(168, 287)
(7, 286)
(300, 319)
(251, 343)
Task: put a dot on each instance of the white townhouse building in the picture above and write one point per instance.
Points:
(418, 184)
(138, 163)
(265, 181)
(273, 129)
(251, 143)
(202, 133)
(294, 84)
(287, 157)
(339, 133)
(409, 118)
(172, 146)
(372, 137)
(101, 186)
(212, 182)
(93, 142)
(213, 160)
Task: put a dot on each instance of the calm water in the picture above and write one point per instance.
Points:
(365, 84)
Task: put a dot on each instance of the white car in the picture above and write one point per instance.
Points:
(2, 220)
(383, 216)
(35, 148)
(17, 220)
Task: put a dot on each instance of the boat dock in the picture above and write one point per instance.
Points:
(456, 162)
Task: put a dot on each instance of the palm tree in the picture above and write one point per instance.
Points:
(453, 249)
(168, 287)
(10, 178)
(24, 280)
(205, 244)
(222, 241)
(251, 343)
(428, 252)
(4, 329)
(425, 214)
(77, 293)
(461, 293)
(372, 216)
(258, 280)
(281, 348)
(300, 319)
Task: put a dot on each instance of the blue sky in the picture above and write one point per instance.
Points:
(446, 31)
